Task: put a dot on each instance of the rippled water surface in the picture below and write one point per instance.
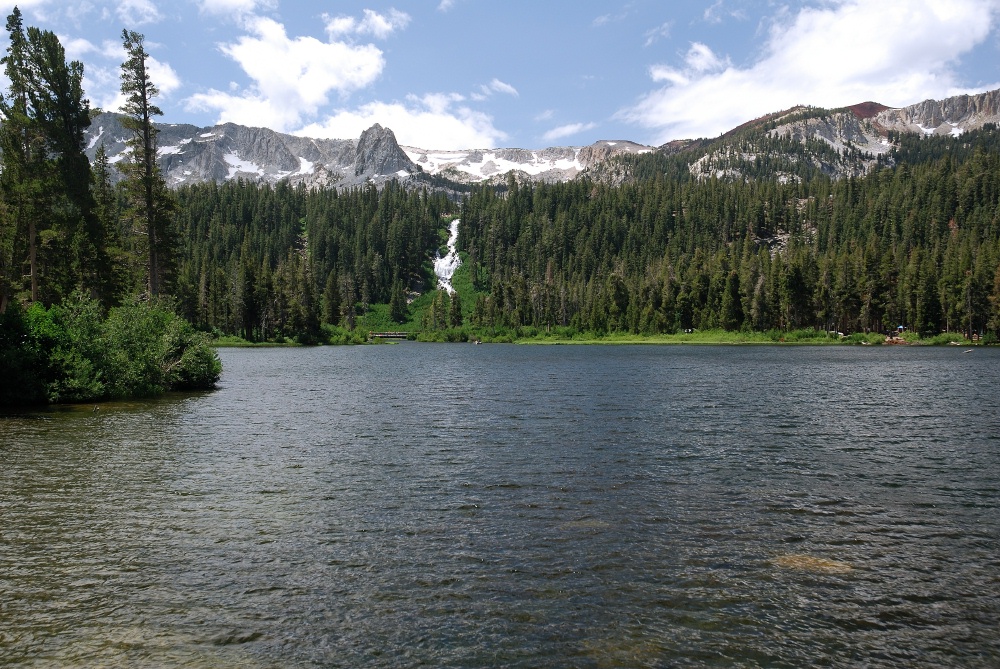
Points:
(479, 506)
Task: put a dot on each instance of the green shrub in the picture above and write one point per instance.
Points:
(189, 361)
(151, 350)
(69, 353)
(864, 338)
(945, 338)
(134, 346)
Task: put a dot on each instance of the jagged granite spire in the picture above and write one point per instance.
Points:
(378, 153)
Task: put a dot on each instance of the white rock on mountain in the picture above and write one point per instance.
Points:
(952, 116)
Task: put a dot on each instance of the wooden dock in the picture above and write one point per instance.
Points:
(388, 335)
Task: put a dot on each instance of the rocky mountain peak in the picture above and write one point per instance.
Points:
(378, 152)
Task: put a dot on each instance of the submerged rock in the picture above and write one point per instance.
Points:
(812, 563)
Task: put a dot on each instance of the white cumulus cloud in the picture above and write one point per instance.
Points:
(292, 78)
(434, 121)
(302, 85)
(838, 53)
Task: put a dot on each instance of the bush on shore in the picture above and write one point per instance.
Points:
(72, 352)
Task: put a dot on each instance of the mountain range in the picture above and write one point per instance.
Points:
(839, 142)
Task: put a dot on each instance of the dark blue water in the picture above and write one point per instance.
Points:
(479, 506)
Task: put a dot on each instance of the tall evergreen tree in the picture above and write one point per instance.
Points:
(151, 203)
(19, 179)
(50, 225)
(455, 311)
(331, 299)
(732, 307)
(397, 302)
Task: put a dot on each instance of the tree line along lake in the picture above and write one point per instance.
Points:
(479, 506)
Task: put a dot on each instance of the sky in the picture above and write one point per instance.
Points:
(464, 74)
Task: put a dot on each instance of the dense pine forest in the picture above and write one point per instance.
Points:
(268, 263)
(915, 245)
(98, 259)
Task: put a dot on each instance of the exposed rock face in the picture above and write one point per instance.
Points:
(188, 154)
(606, 149)
(867, 109)
(942, 117)
(378, 153)
(857, 135)
(853, 139)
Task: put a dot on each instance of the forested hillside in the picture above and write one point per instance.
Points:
(754, 231)
(667, 250)
(914, 245)
(268, 262)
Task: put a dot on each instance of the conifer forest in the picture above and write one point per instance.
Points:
(647, 246)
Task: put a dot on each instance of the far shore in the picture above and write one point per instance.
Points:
(743, 339)
(694, 338)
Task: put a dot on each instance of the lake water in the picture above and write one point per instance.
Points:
(480, 506)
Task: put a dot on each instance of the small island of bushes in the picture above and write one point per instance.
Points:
(88, 269)
(73, 352)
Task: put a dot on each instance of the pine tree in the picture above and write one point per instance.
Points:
(18, 181)
(45, 181)
(732, 305)
(331, 299)
(348, 301)
(455, 311)
(152, 204)
(114, 278)
(397, 302)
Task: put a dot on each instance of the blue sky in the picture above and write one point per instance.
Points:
(454, 74)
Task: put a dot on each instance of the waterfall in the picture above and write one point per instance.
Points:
(445, 267)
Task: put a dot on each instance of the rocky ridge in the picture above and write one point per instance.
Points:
(783, 145)
(189, 154)
(841, 143)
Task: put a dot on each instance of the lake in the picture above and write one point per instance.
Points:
(515, 506)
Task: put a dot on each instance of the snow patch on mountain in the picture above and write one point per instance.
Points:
(96, 138)
(550, 164)
(240, 166)
(486, 163)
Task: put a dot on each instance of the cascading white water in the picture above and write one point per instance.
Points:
(445, 267)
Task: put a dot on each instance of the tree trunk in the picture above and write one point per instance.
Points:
(33, 260)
